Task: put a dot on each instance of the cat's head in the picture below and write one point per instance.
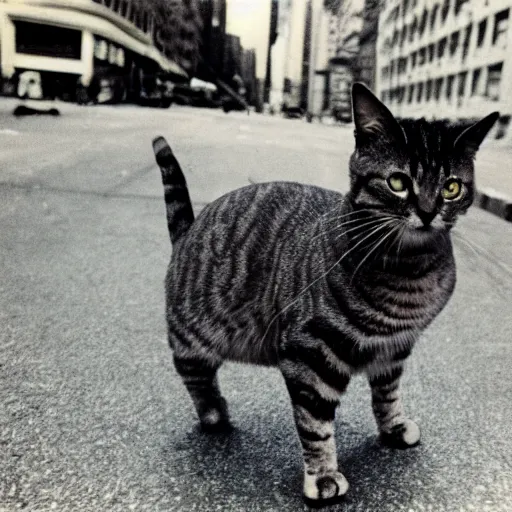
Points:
(421, 171)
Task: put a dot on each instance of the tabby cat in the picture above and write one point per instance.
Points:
(321, 285)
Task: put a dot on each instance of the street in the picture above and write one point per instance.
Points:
(93, 416)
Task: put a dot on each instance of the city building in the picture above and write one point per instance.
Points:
(250, 81)
(334, 46)
(292, 86)
(364, 68)
(278, 53)
(286, 55)
(251, 20)
(213, 14)
(272, 38)
(445, 58)
(82, 50)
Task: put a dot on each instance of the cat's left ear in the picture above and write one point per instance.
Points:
(471, 138)
(373, 120)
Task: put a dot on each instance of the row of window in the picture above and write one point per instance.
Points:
(103, 50)
(443, 8)
(143, 19)
(449, 87)
(450, 46)
(409, 32)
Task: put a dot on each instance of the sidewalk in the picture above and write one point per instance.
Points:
(494, 178)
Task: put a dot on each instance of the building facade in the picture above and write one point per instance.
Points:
(364, 69)
(213, 14)
(272, 38)
(286, 55)
(334, 42)
(294, 54)
(82, 50)
(445, 58)
(278, 54)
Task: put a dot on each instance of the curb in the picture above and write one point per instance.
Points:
(494, 203)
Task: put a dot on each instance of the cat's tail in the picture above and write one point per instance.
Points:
(180, 215)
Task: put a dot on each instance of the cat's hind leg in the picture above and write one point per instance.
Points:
(199, 375)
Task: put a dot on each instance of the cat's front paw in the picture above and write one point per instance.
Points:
(324, 489)
(404, 435)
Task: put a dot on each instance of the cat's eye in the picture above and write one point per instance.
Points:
(452, 189)
(397, 182)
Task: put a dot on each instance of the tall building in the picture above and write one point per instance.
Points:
(287, 54)
(294, 53)
(345, 23)
(278, 53)
(334, 43)
(250, 20)
(213, 14)
(272, 38)
(224, 61)
(364, 69)
(445, 58)
(306, 55)
(233, 52)
(249, 76)
(317, 99)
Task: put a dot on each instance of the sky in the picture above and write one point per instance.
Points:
(250, 19)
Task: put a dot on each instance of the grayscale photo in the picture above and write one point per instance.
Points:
(255, 255)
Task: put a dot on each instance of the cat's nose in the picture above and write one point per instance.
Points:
(426, 217)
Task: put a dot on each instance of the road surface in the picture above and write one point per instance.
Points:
(92, 414)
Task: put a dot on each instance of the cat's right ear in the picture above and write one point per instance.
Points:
(372, 119)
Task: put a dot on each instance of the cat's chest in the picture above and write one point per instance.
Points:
(387, 306)
(410, 303)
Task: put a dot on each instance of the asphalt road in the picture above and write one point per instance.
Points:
(92, 414)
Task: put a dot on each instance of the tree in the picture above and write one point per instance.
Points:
(178, 30)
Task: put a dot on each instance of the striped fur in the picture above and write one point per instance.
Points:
(320, 285)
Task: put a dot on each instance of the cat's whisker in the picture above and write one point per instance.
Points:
(364, 223)
(379, 220)
(304, 290)
(384, 223)
(370, 214)
(328, 218)
(398, 231)
(400, 242)
(361, 226)
(376, 245)
(367, 218)
(347, 214)
(357, 236)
